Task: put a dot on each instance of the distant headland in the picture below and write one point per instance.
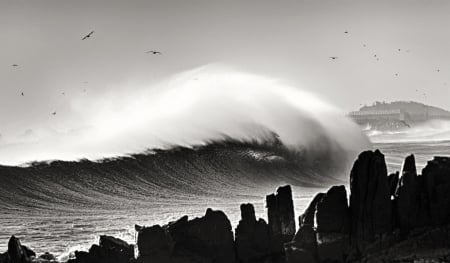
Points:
(397, 115)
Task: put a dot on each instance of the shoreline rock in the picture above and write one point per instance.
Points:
(401, 217)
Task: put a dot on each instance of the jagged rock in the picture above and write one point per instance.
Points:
(18, 253)
(207, 239)
(307, 218)
(280, 213)
(305, 238)
(155, 245)
(332, 215)
(109, 250)
(47, 256)
(304, 246)
(370, 204)
(407, 196)
(252, 237)
(436, 178)
(332, 221)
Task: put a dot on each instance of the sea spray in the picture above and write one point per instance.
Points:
(187, 109)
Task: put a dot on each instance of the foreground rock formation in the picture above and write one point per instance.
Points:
(401, 217)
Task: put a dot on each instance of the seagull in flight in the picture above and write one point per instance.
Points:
(333, 57)
(154, 52)
(88, 35)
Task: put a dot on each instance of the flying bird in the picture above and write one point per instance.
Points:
(333, 57)
(14, 65)
(88, 35)
(54, 113)
(154, 52)
(22, 94)
(346, 32)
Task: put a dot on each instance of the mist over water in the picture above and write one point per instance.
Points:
(191, 108)
(430, 131)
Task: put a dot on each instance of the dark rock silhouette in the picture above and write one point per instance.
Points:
(407, 196)
(205, 239)
(252, 237)
(370, 202)
(382, 223)
(436, 180)
(307, 218)
(280, 213)
(47, 256)
(109, 250)
(333, 225)
(155, 244)
(304, 246)
(18, 253)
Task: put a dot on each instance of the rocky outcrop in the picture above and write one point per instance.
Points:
(407, 197)
(333, 225)
(109, 250)
(252, 237)
(307, 218)
(403, 217)
(47, 257)
(436, 180)
(207, 239)
(304, 246)
(280, 213)
(370, 201)
(17, 253)
(155, 245)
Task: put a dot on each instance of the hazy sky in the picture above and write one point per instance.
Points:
(286, 40)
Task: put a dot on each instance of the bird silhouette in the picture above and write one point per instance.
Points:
(22, 94)
(54, 113)
(88, 35)
(14, 65)
(154, 52)
(333, 57)
(345, 32)
(438, 70)
(399, 49)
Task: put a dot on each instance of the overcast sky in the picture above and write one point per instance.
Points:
(291, 41)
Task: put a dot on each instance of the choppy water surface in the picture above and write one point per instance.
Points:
(66, 206)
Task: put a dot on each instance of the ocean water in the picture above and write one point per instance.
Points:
(64, 206)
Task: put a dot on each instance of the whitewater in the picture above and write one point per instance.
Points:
(209, 137)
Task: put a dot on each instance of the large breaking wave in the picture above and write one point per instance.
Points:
(191, 108)
(208, 137)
